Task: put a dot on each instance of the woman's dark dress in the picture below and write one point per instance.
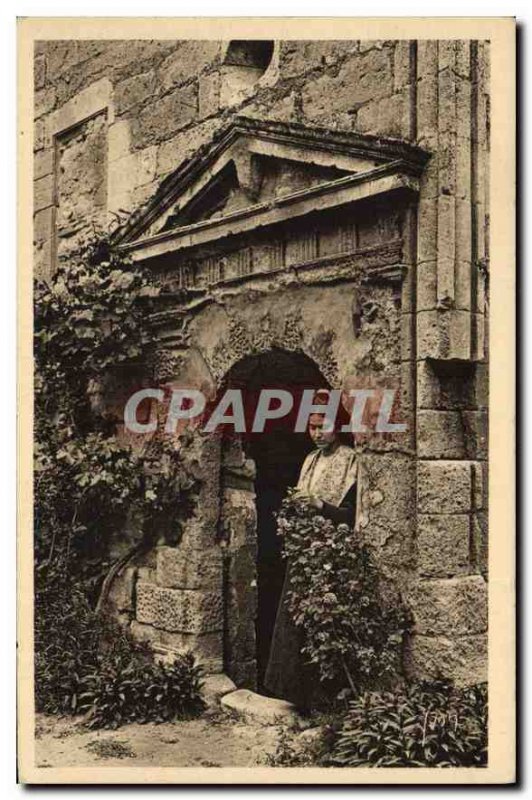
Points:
(288, 675)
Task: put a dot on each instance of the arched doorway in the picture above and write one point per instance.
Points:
(278, 454)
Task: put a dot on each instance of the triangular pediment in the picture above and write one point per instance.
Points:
(253, 165)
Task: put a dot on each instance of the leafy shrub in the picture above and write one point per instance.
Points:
(352, 621)
(426, 725)
(86, 664)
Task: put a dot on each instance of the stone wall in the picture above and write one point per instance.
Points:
(113, 119)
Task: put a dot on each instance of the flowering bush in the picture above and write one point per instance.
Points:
(353, 625)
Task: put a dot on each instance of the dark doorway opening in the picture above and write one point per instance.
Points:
(278, 454)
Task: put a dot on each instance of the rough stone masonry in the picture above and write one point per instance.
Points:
(324, 207)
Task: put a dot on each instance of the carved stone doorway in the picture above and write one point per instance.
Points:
(270, 464)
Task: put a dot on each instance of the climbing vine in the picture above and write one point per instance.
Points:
(90, 320)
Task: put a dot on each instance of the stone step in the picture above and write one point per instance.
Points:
(215, 687)
(267, 710)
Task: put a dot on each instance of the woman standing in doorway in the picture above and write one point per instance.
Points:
(327, 482)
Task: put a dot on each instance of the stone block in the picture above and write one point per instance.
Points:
(480, 542)
(186, 568)
(146, 165)
(444, 487)
(443, 544)
(42, 193)
(450, 607)
(42, 259)
(214, 687)
(174, 151)
(239, 518)
(39, 134)
(476, 433)
(363, 77)
(43, 163)
(39, 72)
(268, 710)
(440, 435)
(463, 659)
(42, 226)
(44, 101)
(480, 485)
(402, 64)
(207, 647)
(426, 288)
(444, 334)
(243, 673)
(188, 60)
(389, 116)
(161, 119)
(121, 593)
(297, 57)
(387, 482)
(118, 139)
(88, 102)
(209, 94)
(179, 610)
(133, 92)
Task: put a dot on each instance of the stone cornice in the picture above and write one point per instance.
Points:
(347, 151)
(360, 186)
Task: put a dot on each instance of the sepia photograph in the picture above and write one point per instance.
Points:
(258, 539)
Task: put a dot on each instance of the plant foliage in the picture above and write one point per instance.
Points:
(90, 321)
(87, 665)
(353, 625)
(426, 725)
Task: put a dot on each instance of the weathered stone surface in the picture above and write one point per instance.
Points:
(207, 647)
(186, 568)
(361, 78)
(479, 542)
(121, 594)
(444, 334)
(188, 60)
(133, 92)
(463, 659)
(43, 164)
(172, 96)
(214, 687)
(42, 193)
(38, 135)
(476, 433)
(163, 118)
(297, 57)
(183, 610)
(268, 710)
(239, 516)
(443, 544)
(240, 602)
(444, 487)
(450, 607)
(174, 151)
(440, 435)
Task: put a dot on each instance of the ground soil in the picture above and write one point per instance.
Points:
(215, 739)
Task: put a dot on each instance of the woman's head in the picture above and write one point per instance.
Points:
(322, 433)
(319, 432)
